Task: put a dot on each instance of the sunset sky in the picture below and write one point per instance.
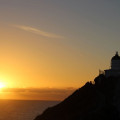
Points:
(49, 48)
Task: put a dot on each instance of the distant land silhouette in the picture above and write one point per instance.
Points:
(98, 100)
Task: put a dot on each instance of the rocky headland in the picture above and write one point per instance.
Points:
(98, 100)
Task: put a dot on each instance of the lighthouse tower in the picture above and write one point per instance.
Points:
(115, 66)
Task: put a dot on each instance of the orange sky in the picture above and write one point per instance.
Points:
(29, 61)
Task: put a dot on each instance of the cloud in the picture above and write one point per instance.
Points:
(37, 31)
(38, 90)
(37, 93)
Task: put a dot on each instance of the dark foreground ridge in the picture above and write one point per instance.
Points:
(98, 101)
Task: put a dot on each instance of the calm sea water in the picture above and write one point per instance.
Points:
(23, 109)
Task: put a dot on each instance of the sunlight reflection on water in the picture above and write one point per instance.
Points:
(22, 109)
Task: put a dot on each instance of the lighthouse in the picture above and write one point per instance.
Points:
(115, 67)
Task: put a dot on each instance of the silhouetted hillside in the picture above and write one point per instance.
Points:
(98, 101)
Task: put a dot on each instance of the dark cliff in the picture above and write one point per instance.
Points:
(98, 101)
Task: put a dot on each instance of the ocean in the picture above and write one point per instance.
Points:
(23, 109)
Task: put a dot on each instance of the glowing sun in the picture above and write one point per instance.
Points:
(2, 85)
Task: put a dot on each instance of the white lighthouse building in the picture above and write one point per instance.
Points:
(115, 67)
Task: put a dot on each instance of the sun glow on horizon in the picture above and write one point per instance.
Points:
(2, 85)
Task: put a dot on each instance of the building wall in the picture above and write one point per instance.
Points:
(115, 64)
(111, 72)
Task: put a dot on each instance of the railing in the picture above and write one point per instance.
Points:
(101, 72)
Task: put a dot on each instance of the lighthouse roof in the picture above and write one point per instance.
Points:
(116, 57)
